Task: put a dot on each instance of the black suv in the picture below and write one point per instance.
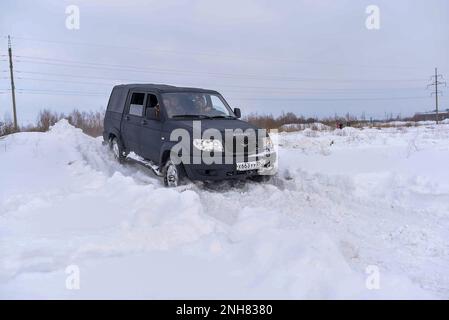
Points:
(172, 129)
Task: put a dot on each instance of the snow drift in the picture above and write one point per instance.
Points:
(343, 201)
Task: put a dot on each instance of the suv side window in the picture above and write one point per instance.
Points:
(151, 101)
(136, 105)
(115, 101)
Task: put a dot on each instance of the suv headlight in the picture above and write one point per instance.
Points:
(208, 145)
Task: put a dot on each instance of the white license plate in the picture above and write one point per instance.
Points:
(253, 165)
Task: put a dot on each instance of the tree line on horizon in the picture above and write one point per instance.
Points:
(91, 122)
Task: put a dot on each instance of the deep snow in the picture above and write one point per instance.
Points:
(343, 200)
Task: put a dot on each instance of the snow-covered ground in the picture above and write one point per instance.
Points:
(344, 203)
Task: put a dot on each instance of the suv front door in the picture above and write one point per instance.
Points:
(132, 122)
(150, 134)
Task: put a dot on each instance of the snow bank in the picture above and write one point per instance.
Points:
(341, 203)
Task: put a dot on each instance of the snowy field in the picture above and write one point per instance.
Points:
(343, 201)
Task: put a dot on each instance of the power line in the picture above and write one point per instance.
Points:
(337, 99)
(121, 66)
(61, 94)
(65, 81)
(240, 89)
(135, 80)
(212, 54)
(45, 91)
(74, 76)
(222, 75)
(63, 91)
(236, 88)
(293, 90)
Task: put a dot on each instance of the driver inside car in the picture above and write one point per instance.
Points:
(204, 107)
(201, 104)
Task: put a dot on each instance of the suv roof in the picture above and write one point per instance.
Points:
(161, 88)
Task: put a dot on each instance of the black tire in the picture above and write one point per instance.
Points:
(117, 149)
(174, 175)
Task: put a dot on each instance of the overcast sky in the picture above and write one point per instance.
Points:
(312, 57)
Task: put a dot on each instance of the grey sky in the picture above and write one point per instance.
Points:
(309, 57)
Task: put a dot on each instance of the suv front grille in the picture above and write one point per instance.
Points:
(242, 145)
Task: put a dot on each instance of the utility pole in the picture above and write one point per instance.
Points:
(435, 83)
(13, 92)
(436, 94)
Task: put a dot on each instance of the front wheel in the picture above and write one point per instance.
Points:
(173, 174)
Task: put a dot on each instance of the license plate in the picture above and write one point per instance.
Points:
(253, 165)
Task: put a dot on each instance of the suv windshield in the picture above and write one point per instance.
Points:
(196, 104)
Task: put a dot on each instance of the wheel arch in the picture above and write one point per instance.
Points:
(165, 152)
(116, 134)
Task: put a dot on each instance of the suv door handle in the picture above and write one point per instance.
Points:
(144, 121)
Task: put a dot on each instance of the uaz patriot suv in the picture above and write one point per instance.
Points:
(185, 132)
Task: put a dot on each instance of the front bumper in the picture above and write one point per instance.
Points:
(224, 171)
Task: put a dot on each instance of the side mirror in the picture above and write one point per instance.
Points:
(237, 113)
(150, 114)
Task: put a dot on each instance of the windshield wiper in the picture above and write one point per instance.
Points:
(222, 117)
(201, 116)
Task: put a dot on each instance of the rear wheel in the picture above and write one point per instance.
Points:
(173, 174)
(117, 149)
